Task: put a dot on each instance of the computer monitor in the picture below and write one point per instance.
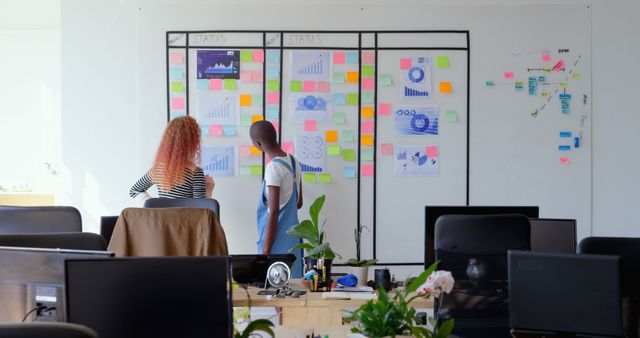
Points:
(151, 297)
(433, 212)
(252, 269)
(33, 276)
(565, 293)
(553, 235)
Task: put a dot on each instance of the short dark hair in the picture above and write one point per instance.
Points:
(264, 132)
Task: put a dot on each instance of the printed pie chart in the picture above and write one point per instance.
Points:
(420, 122)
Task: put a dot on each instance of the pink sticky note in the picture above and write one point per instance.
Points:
(177, 103)
(405, 63)
(276, 125)
(245, 76)
(384, 109)
(258, 56)
(368, 58)
(273, 98)
(367, 83)
(309, 86)
(323, 87)
(432, 151)
(367, 169)
(558, 66)
(245, 150)
(338, 58)
(176, 58)
(310, 125)
(367, 127)
(215, 84)
(257, 76)
(546, 57)
(287, 146)
(508, 75)
(215, 130)
(387, 149)
(564, 160)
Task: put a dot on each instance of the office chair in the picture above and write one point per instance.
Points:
(474, 248)
(208, 203)
(49, 330)
(57, 240)
(39, 219)
(107, 223)
(629, 251)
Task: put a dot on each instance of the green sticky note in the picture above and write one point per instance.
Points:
(177, 87)
(256, 169)
(245, 170)
(245, 120)
(256, 100)
(230, 84)
(325, 178)
(352, 99)
(349, 154)
(384, 80)
(333, 150)
(273, 85)
(310, 177)
(367, 70)
(245, 56)
(451, 116)
(347, 135)
(339, 118)
(366, 154)
(295, 86)
(367, 97)
(338, 77)
(442, 61)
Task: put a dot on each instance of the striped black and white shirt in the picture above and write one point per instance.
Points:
(193, 186)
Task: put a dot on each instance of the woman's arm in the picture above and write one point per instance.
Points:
(202, 184)
(139, 189)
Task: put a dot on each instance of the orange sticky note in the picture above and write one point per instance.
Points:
(387, 149)
(367, 169)
(332, 136)
(384, 109)
(310, 125)
(352, 77)
(255, 151)
(445, 87)
(367, 140)
(367, 112)
(245, 100)
(255, 118)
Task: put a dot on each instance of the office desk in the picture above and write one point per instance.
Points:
(26, 199)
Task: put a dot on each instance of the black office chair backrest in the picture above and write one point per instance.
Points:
(57, 240)
(208, 203)
(39, 219)
(107, 224)
(49, 330)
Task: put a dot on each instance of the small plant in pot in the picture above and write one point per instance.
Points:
(319, 255)
(360, 267)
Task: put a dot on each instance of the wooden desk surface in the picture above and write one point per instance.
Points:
(304, 330)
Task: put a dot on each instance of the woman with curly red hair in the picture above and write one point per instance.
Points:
(174, 169)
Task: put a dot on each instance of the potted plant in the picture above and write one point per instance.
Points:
(319, 255)
(360, 267)
(391, 316)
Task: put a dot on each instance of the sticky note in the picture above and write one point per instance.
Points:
(546, 57)
(215, 84)
(178, 113)
(347, 135)
(273, 85)
(287, 146)
(245, 76)
(367, 140)
(245, 150)
(367, 70)
(508, 75)
(177, 74)
(310, 125)
(229, 130)
(405, 63)
(366, 154)
(309, 86)
(367, 112)
(564, 148)
(339, 118)
(352, 77)
(295, 86)
(367, 84)
(177, 103)
(203, 84)
(333, 150)
(338, 77)
(367, 97)
(352, 58)
(255, 151)
(339, 58)
(245, 120)
(442, 61)
(257, 76)
(272, 113)
(367, 127)
(385, 80)
(384, 109)
(432, 151)
(349, 154)
(576, 75)
(273, 98)
(204, 129)
(367, 169)
(256, 169)
(565, 134)
(564, 160)
(273, 72)
(386, 149)
(352, 99)
(258, 55)
(255, 118)
(245, 56)
(256, 100)
(245, 170)
(230, 84)
(176, 58)
(323, 87)
(368, 58)
(245, 100)
(339, 98)
(445, 87)
(215, 130)
(451, 116)
(310, 177)
(349, 172)
(558, 66)
(177, 87)
(331, 136)
(273, 56)
(325, 178)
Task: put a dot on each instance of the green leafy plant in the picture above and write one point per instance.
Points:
(313, 234)
(361, 262)
(392, 315)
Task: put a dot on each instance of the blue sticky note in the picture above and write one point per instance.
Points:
(349, 172)
(229, 130)
(273, 56)
(564, 148)
(565, 134)
(204, 129)
(352, 58)
(177, 74)
(203, 84)
(256, 100)
(273, 73)
(177, 113)
(339, 98)
(576, 142)
(272, 113)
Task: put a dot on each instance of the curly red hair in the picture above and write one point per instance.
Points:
(179, 149)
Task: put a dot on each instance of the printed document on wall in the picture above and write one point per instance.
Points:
(412, 160)
(310, 150)
(416, 119)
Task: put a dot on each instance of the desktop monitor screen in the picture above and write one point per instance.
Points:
(151, 297)
(32, 276)
(433, 212)
(553, 235)
(565, 293)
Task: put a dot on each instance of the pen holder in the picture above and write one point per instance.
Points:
(323, 273)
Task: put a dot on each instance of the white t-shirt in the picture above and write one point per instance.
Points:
(276, 174)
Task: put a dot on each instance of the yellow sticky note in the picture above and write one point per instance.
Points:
(255, 118)
(310, 177)
(255, 151)
(367, 140)
(177, 87)
(332, 136)
(245, 100)
(445, 87)
(334, 150)
(325, 178)
(256, 169)
(352, 77)
(367, 112)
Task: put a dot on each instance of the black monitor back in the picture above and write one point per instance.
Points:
(151, 297)
(553, 235)
(252, 269)
(565, 293)
(433, 212)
